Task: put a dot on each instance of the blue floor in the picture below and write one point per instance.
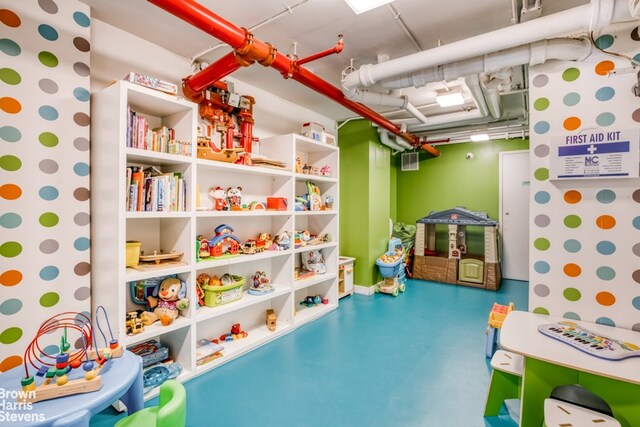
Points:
(415, 360)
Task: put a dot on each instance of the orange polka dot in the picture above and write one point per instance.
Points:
(604, 67)
(10, 278)
(10, 363)
(10, 192)
(572, 123)
(605, 222)
(605, 298)
(9, 18)
(10, 105)
(572, 196)
(572, 270)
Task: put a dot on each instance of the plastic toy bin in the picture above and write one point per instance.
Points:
(215, 296)
(389, 269)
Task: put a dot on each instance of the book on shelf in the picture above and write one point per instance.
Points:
(206, 351)
(151, 190)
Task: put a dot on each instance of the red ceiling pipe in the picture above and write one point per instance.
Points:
(214, 72)
(250, 49)
(336, 49)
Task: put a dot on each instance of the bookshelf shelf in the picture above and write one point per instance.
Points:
(116, 155)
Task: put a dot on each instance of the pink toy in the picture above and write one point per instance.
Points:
(325, 170)
(219, 198)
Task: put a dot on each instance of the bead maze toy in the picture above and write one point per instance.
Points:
(496, 316)
(55, 369)
(590, 342)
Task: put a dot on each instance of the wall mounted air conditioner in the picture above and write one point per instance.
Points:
(409, 162)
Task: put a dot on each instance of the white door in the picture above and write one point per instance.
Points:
(514, 214)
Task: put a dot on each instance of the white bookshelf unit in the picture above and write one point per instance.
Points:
(113, 225)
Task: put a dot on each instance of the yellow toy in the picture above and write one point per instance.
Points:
(496, 316)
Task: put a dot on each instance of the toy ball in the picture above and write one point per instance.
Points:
(62, 380)
(90, 375)
(87, 366)
(75, 363)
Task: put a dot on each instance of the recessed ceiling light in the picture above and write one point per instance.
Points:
(449, 99)
(360, 6)
(480, 137)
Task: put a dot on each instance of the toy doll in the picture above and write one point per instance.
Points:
(219, 198)
(167, 301)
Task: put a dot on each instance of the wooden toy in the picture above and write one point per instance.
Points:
(133, 324)
(235, 334)
(271, 319)
(158, 257)
(206, 150)
(167, 301)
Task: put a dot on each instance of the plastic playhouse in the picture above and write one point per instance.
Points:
(391, 266)
(496, 316)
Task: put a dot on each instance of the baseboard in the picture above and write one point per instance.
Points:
(363, 290)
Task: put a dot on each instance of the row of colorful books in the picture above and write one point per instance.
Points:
(162, 140)
(150, 190)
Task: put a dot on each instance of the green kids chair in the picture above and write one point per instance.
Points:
(172, 411)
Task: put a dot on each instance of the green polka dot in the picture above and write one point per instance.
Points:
(540, 310)
(542, 244)
(541, 174)
(48, 59)
(570, 74)
(48, 139)
(49, 299)
(10, 163)
(572, 221)
(9, 76)
(572, 294)
(10, 335)
(49, 219)
(541, 104)
(10, 249)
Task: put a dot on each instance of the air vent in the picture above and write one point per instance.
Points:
(409, 162)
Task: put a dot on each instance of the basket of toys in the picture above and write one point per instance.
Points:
(390, 264)
(219, 291)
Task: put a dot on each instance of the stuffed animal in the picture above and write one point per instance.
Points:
(167, 301)
(234, 198)
(282, 241)
(313, 261)
(219, 198)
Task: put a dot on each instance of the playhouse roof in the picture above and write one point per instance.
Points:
(460, 216)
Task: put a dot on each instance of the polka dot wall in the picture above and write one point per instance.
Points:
(44, 167)
(585, 234)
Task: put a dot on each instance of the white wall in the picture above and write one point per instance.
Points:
(115, 53)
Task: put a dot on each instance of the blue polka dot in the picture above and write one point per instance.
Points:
(10, 220)
(51, 350)
(542, 197)
(49, 193)
(541, 127)
(571, 99)
(571, 315)
(637, 57)
(606, 196)
(79, 320)
(605, 247)
(572, 246)
(605, 119)
(10, 306)
(48, 32)
(605, 321)
(81, 19)
(636, 303)
(606, 273)
(636, 222)
(81, 94)
(604, 41)
(47, 112)
(541, 267)
(49, 272)
(9, 47)
(82, 244)
(81, 169)
(10, 134)
(605, 93)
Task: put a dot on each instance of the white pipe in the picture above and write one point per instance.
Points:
(376, 98)
(416, 113)
(405, 29)
(473, 84)
(384, 140)
(458, 116)
(591, 17)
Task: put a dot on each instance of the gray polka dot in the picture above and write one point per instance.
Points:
(81, 119)
(542, 220)
(81, 194)
(81, 218)
(49, 246)
(636, 276)
(636, 196)
(541, 290)
(636, 327)
(48, 6)
(82, 294)
(78, 344)
(81, 144)
(540, 80)
(48, 86)
(52, 330)
(48, 166)
(81, 69)
(81, 44)
(541, 150)
(82, 268)
(636, 249)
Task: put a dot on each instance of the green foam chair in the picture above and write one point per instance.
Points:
(172, 411)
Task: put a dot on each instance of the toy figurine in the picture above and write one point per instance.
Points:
(202, 246)
(236, 333)
(271, 319)
(167, 301)
(133, 324)
(234, 198)
(310, 301)
(313, 261)
(328, 203)
(298, 164)
(283, 240)
(219, 198)
(261, 284)
(315, 200)
(325, 170)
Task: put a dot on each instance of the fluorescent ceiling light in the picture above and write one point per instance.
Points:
(479, 137)
(449, 99)
(360, 6)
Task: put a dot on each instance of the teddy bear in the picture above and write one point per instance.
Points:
(166, 301)
(219, 198)
(234, 198)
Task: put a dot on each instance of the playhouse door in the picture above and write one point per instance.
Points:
(514, 214)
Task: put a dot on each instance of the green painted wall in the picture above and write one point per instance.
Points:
(451, 180)
(379, 207)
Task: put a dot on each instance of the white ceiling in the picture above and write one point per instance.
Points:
(314, 25)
